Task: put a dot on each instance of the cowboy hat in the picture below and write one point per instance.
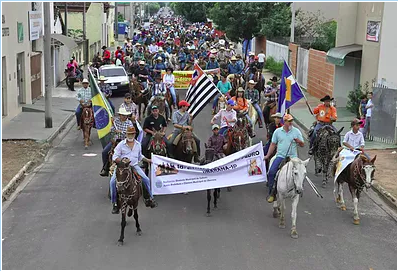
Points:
(233, 58)
(213, 51)
(212, 56)
(276, 115)
(251, 54)
(131, 130)
(159, 58)
(160, 50)
(215, 126)
(123, 111)
(240, 89)
(142, 62)
(102, 78)
(222, 48)
(274, 79)
(326, 98)
(288, 117)
(85, 81)
(252, 82)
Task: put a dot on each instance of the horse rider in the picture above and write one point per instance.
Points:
(233, 68)
(182, 59)
(212, 64)
(169, 81)
(271, 129)
(118, 129)
(242, 107)
(285, 139)
(252, 94)
(130, 106)
(225, 87)
(106, 90)
(191, 57)
(158, 67)
(354, 139)
(182, 120)
(84, 96)
(271, 92)
(152, 124)
(142, 74)
(222, 55)
(255, 64)
(159, 90)
(227, 117)
(106, 55)
(326, 114)
(139, 54)
(160, 54)
(217, 142)
(131, 149)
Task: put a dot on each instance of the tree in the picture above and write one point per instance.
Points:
(153, 7)
(308, 25)
(326, 37)
(193, 12)
(277, 24)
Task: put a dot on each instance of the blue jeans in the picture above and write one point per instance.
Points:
(223, 130)
(272, 172)
(145, 179)
(258, 109)
(78, 113)
(144, 84)
(266, 147)
(173, 95)
(182, 65)
(215, 102)
(316, 129)
(105, 152)
(249, 119)
(367, 126)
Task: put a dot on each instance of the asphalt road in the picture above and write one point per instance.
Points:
(63, 220)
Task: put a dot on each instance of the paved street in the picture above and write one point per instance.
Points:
(63, 220)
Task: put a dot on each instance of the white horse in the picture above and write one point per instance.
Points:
(290, 181)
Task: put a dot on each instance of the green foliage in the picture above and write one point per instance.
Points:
(240, 20)
(326, 38)
(193, 12)
(274, 66)
(277, 24)
(120, 17)
(153, 7)
(354, 97)
(75, 33)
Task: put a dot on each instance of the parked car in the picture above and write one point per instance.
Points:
(116, 76)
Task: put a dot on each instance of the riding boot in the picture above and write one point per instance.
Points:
(260, 123)
(105, 170)
(115, 208)
(251, 131)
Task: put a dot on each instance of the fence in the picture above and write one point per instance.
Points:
(302, 66)
(384, 115)
(277, 51)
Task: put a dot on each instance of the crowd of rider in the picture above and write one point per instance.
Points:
(170, 45)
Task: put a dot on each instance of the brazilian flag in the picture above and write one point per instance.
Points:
(102, 112)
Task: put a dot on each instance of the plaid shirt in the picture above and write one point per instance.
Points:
(105, 89)
(122, 126)
(274, 97)
(131, 108)
(252, 95)
(84, 94)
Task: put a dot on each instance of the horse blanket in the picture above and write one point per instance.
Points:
(346, 157)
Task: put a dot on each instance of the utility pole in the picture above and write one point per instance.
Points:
(66, 18)
(86, 57)
(132, 15)
(48, 120)
(293, 23)
(141, 14)
(84, 20)
(116, 23)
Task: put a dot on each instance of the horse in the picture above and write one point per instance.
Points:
(222, 103)
(259, 78)
(140, 96)
(184, 151)
(326, 144)
(159, 101)
(169, 99)
(268, 110)
(129, 191)
(238, 137)
(253, 114)
(290, 179)
(358, 174)
(235, 84)
(86, 123)
(211, 156)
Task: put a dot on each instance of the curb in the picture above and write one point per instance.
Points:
(51, 138)
(19, 177)
(11, 186)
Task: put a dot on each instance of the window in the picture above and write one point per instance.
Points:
(112, 72)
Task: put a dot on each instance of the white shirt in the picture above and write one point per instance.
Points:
(153, 48)
(261, 58)
(355, 140)
(168, 79)
(122, 150)
(369, 110)
(225, 114)
(118, 62)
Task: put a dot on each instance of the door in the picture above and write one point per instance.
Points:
(20, 77)
(3, 87)
(35, 76)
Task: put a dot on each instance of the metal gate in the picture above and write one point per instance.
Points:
(35, 76)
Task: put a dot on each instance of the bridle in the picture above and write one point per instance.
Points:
(186, 136)
(157, 143)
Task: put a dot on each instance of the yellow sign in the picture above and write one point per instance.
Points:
(182, 78)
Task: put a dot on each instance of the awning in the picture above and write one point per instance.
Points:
(337, 55)
(68, 42)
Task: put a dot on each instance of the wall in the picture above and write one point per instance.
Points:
(387, 70)
(320, 74)
(345, 80)
(329, 10)
(16, 12)
(302, 66)
(346, 23)
(293, 48)
(278, 51)
(260, 44)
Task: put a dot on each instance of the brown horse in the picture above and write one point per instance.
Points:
(238, 137)
(169, 99)
(268, 110)
(139, 96)
(86, 123)
(184, 151)
(359, 174)
(259, 78)
(129, 191)
(159, 101)
(236, 82)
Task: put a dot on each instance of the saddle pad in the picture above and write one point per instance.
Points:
(346, 157)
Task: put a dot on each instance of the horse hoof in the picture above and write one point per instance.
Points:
(282, 226)
(343, 208)
(294, 234)
(86, 147)
(323, 184)
(138, 233)
(208, 214)
(215, 207)
(119, 243)
(356, 221)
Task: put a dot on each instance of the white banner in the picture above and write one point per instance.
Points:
(35, 25)
(169, 176)
(346, 157)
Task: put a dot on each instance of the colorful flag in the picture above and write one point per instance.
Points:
(200, 91)
(102, 112)
(290, 91)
